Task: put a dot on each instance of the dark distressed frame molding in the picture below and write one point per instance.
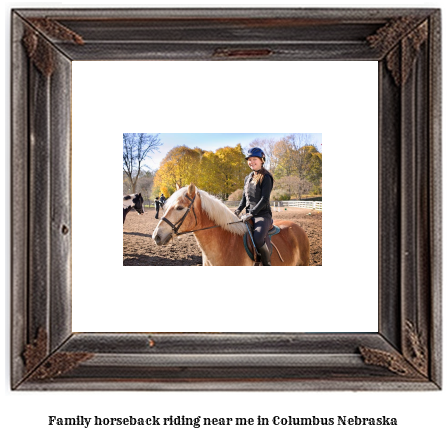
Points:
(405, 354)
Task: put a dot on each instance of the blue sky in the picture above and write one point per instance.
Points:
(211, 142)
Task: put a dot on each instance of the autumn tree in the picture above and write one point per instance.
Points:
(145, 183)
(294, 186)
(219, 173)
(279, 195)
(282, 159)
(236, 195)
(209, 175)
(179, 167)
(231, 170)
(294, 155)
(136, 147)
(314, 169)
(223, 171)
(300, 145)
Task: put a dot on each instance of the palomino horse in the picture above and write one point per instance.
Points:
(135, 201)
(190, 209)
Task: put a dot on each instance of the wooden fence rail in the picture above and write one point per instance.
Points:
(314, 205)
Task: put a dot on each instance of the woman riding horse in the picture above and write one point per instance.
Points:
(256, 200)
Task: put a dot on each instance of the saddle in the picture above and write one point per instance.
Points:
(248, 243)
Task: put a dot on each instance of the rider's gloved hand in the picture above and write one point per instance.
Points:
(246, 217)
(237, 213)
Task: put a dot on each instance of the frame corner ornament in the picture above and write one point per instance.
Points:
(59, 364)
(416, 351)
(41, 366)
(400, 57)
(39, 49)
(394, 362)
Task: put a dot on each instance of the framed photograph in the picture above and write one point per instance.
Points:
(182, 342)
(218, 166)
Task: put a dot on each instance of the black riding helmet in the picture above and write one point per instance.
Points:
(255, 152)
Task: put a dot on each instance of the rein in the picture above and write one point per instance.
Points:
(175, 227)
(208, 228)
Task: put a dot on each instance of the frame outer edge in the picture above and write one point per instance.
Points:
(416, 319)
(350, 13)
(435, 138)
(19, 190)
(38, 311)
(222, 385)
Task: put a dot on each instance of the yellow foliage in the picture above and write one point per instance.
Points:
(219, 173)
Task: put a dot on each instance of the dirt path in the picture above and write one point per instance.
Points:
(140, 250)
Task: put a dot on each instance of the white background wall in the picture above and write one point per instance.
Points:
(257, 97)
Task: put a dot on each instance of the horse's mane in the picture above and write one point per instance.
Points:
(216, 210)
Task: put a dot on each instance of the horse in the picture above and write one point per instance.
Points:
(219, 238)
(132, 201)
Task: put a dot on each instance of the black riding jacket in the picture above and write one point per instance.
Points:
(256, 198)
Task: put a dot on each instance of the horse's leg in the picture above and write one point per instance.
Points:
(303, 246)
(205, 261)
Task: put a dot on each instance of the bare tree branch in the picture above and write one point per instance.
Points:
(136, 147)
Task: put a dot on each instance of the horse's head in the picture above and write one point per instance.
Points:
(180, 214)
(138, 203)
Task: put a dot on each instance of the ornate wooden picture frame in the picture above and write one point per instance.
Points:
(405, 353)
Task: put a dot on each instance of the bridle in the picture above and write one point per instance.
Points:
(175, 227)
